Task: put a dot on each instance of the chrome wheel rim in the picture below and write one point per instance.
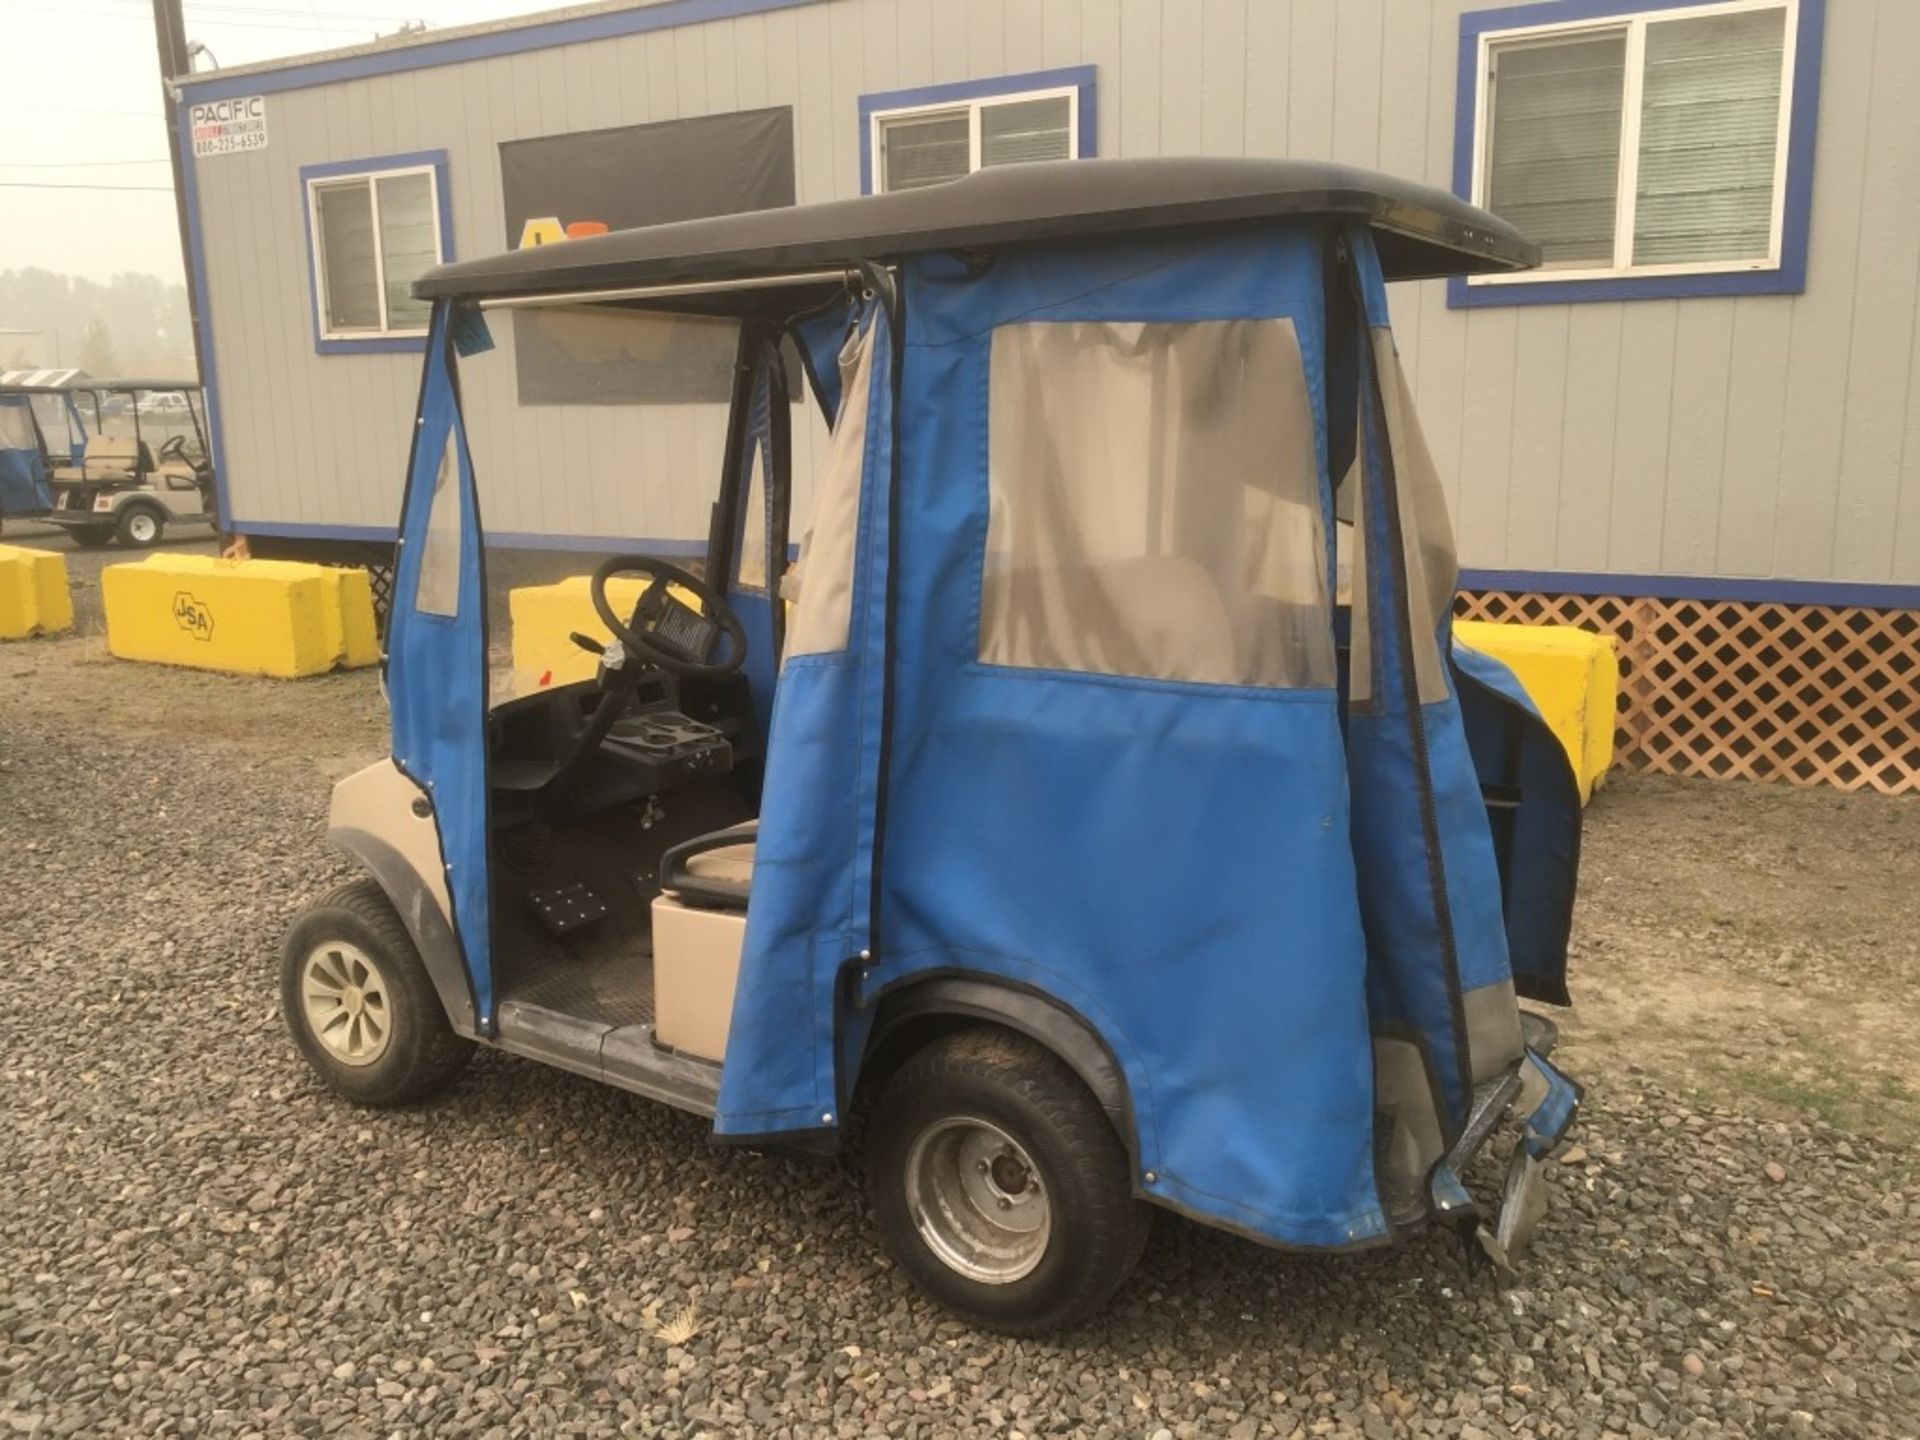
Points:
(345, 1000)
(976, 1198)
(142, 527)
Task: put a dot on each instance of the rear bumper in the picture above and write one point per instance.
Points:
(1546, 1102)
(1493, 1099)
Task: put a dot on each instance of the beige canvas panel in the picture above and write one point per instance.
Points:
(16, 429)
(1426, 531)
(1403, 1092)
(1494, 1041)
(1360, 629)
(823, 575)
(1154, 504)
(752, 569)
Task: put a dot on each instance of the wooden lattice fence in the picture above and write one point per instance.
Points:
(1807, 694)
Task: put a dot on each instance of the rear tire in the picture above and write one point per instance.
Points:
(140, 527)
(1000, 1186)
(360, 1005)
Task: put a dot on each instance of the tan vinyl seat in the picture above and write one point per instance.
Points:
(731, 864)
(108, 457)
(715, 869)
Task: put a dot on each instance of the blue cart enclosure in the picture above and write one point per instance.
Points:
(1115, 671)
(1063, 706)
(23, 459)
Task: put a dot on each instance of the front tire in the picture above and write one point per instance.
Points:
(1000, 1186)
(140, 527)
(91, 537)
(360, 1005)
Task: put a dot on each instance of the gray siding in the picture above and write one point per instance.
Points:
(1760, 436)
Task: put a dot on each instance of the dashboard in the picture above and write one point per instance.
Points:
(673, 731)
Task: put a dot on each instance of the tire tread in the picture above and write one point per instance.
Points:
(1114, 1221)
(436, 1054)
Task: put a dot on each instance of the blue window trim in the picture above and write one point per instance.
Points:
(374, 165)
(1081, 77)
(1746, 590)
(1789, 278)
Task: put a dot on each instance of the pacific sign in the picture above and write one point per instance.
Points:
(227, 127)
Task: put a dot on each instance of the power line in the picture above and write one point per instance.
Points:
(302, 27)
(74, 164)
(198, 6)
(78, 110)
(55, 185)
(324, 27)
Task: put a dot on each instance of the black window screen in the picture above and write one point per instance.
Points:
(558, 186)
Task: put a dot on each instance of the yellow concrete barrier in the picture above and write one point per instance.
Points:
(248, 617)
(1571, 675)
(34, 599)
(543, 616)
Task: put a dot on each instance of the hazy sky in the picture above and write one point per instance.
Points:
(80, 106)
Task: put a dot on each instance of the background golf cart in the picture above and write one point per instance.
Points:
(105, 460)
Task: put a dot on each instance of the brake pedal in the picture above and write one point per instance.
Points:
(566, 908)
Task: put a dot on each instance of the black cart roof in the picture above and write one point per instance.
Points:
(1420, 231)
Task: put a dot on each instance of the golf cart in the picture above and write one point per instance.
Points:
(42, 425)
(1052, 834)
(140, 466)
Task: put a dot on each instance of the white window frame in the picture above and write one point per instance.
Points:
(317, 183)
(1634, 27)
(971, 108)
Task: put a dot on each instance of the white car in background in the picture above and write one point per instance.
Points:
(166, 404)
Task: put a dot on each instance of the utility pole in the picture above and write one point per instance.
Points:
(170, 34)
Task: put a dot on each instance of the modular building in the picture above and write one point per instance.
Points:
(1694, 426)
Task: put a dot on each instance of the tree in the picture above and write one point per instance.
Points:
(96, 349)
(144, 316)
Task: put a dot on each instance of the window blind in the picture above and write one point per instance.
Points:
(1020, 130)
(1709, 131)
(921, 150)
(1554, 161)
(409, 245)
(346, 256)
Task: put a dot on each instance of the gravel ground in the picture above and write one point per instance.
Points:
(196, 1240)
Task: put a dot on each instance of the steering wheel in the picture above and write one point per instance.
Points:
(641, 642)
(174, 448)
